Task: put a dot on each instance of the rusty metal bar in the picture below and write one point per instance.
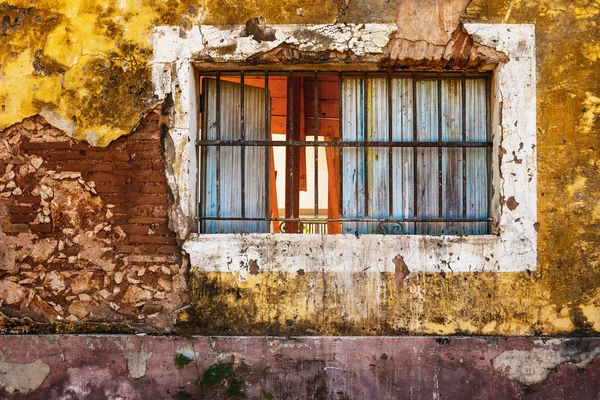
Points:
(267, 148)
(218, 132)
(415, 158)
(489, 155)
(316, 139)
(390, 220)
(366, 101)
(323, 143)
(464, 150)
(390, 151)
(197, 136)
(439, 111)
(291, 188)
(243, 147)
(341, 155)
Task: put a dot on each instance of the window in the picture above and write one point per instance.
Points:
(178, 63)
(345, 152)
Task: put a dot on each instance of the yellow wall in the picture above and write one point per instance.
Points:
(86, 61)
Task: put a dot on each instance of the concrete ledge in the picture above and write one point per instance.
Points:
(136, 367)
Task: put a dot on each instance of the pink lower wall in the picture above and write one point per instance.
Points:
(142, 367)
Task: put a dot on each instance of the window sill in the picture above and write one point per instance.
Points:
(347, 253)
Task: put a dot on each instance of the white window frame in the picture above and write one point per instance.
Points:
(513, 246)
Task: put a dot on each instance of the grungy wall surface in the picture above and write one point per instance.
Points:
(83, 67)
(130, 367)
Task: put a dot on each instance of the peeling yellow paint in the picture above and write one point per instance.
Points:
(576, 186)
(592, 313)
(96, 54)
(592, 112)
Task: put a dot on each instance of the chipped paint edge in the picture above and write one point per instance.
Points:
(512, 248)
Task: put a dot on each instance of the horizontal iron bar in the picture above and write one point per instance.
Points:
(323, 220)
(309, 73)
(321, 143)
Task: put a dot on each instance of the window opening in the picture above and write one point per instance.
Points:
(346, 152)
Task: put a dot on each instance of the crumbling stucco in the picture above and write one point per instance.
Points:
(301, 367)
(68, 231)
(530, 367)
(22, 378)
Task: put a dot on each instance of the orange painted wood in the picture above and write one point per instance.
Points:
(333, 190)
(328, 108)
(273, 195)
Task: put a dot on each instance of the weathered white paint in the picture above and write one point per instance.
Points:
(512, 248)
(23, 378)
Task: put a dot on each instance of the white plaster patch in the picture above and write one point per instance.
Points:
(512, 247)
(58, 121)
(23, 378)
(137, 359)
(529, 367)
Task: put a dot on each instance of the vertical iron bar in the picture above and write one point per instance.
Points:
(316, 137)
(488, 124)
(341, 155)
(197, 137)
(366, 149)
(439, 110)
(218, 161)
(390, 150)
(243, 148)
(290, 103)
(464, 150)
(267, 149)
(415, 149)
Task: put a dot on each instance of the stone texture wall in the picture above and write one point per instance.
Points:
(84, 232)
(130, 367)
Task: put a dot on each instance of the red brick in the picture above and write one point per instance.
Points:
(27, 199)
(20, 218)
(111, 187)
(163, 230)
(66, 155)
(158, 165)
(168, 250)
(85, 166)
(107, 155)
(151, 176)
(146, 155)
(131, 249)
(152, 239)
(147, 134)
(142, 229)
(116, 145)
(118, 198)
(136, 229)
(150, 199)
(45, 145)
(15, 228)
(134, 166)
(14, 209)
(147, 220)
(119, 220)
(138, 145)
(41, 228)
(158, 189)
(104, 177)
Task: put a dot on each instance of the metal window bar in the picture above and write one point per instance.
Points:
(318, 224)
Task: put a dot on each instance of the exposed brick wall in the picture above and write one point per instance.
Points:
(84, 232)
